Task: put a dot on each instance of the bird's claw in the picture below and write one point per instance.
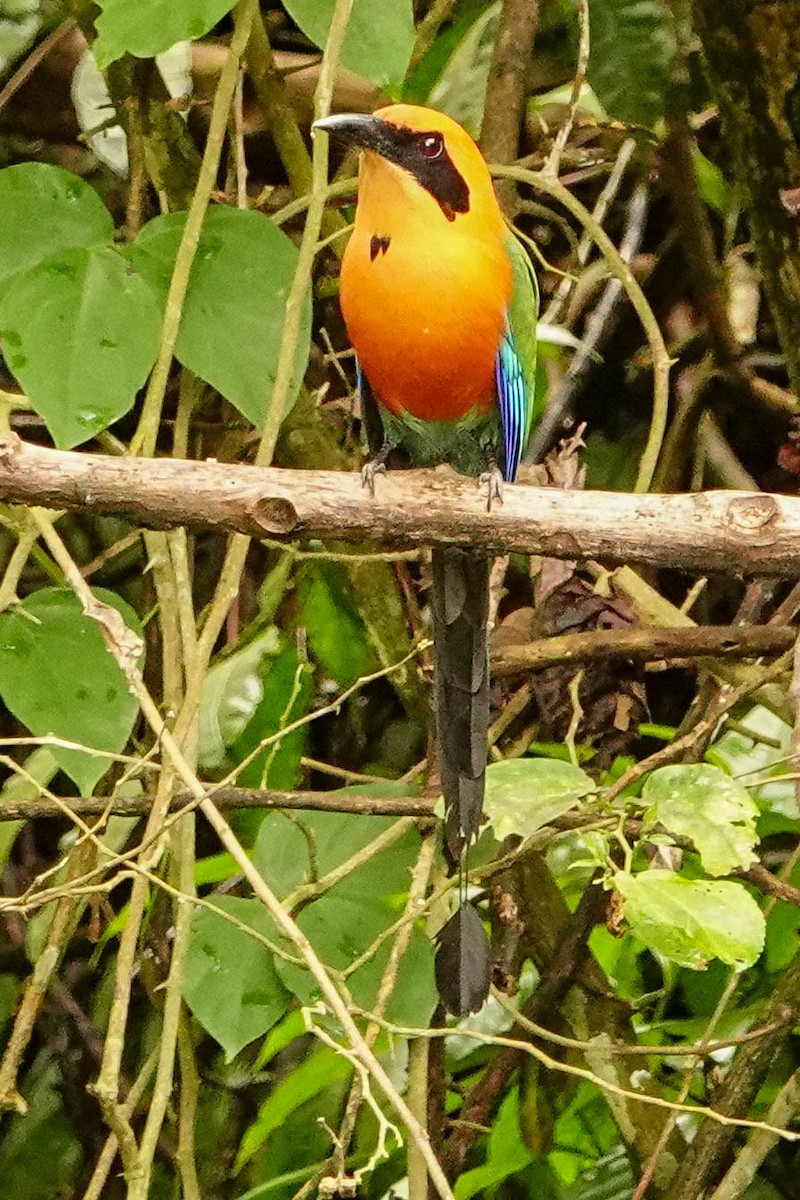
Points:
(493, 481)
(369, 471)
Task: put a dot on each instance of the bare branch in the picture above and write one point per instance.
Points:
(224, 798)
(695, 641)
(736, 532)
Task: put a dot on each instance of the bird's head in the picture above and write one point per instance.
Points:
(415, 148)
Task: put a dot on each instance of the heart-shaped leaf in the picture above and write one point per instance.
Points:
(80, 332)
(235, 305)
(231, 984)
(147, 27)
(58, 677)
(43, 211)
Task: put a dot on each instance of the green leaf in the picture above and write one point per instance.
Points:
(460, 90)
(611, 462)
(231, 983)
(147, 27)
(753, 758)
(40, 1153)
(81, 334)
(633, 47)
(304, 1082)
(693, 920)
(336, 635)
(232, 690)
(57, 677)
(611, 1178)
(282, 852)
(234, 311)
(701, 802)
(348, 918)
(40, 767)
(414, 996)
(378, 41)
(506, 1153)
(712, 184)
(44, 211)
(523, 794)
(20, 22)
(285, 696)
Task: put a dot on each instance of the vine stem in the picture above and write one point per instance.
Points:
(144, 440)
(416, 897)
(605, 1085)
(182, 839)
(233, 565)
(553, 163)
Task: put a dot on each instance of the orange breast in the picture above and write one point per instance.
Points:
(426, 314)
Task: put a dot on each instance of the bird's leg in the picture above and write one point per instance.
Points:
(376, 466)
(492, 480)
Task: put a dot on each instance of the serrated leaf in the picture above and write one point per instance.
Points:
(701, 802)
(693, 920)
(235, 306)
(754, 758)
(632, 50)
(523, 794)
(44, 211)
(58, 677)
(231, 983)
(378, 41)
(80, 332)
(147, 27)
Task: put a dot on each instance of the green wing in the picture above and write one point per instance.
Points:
(515, 370)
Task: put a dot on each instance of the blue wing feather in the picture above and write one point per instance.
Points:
(515, 365)
(513, 405)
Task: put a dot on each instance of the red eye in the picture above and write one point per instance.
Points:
(431, 145)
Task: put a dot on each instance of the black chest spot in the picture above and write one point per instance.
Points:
(378, 245)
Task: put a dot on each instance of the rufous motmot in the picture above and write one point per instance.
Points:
(440, 302)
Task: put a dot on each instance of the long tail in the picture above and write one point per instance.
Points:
(460, 619)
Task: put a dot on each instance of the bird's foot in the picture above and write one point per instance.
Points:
(492, 480)
(375, 466)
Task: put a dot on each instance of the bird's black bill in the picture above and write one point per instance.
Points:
(420, 152)
(358, 129)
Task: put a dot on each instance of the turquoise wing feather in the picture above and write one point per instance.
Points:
(515, 366)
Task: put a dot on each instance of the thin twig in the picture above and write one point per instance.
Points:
(551, 167)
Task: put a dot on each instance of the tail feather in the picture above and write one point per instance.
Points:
(460, 616)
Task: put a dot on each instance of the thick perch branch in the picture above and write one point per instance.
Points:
(740, 532)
